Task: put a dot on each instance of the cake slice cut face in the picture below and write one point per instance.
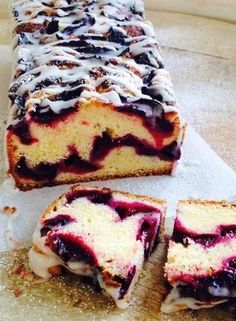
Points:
(90, 98)
(101, 234)
(201, 263)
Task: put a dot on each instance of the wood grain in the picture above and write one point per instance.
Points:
(24, 298)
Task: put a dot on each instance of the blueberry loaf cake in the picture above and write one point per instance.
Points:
(201, 264)
(90, 98)
(98, 233)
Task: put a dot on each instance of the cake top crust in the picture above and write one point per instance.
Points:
(108, 44)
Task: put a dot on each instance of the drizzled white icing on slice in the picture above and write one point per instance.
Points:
(123, 78)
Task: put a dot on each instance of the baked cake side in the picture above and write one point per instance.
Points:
(99, 233)
(201, 262)
(90, 98)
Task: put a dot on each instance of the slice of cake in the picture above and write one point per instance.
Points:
(90, 98)
(201, 264)
(98, 233)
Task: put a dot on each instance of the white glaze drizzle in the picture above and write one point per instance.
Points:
(121, 74)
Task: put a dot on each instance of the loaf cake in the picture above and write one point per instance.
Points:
(99, 233)
(201, 263)
(90, 98)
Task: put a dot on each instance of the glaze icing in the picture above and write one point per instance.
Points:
(108, 44)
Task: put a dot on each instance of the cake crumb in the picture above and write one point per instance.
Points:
(24, 273)
(9, 210)
(17, 292)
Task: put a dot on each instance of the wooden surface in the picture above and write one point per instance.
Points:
(219, 9)
(69, 298)
(200, 54)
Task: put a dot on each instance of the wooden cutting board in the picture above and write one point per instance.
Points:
(70, 298)
(191, 49)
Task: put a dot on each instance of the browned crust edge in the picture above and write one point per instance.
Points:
(25, 186)
(207, 202)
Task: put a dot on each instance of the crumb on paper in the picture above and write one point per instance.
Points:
(24, 273)
(17, 292)
(9, 210)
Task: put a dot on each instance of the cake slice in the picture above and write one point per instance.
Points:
(99, 233)
(90, 99)
(201, 263)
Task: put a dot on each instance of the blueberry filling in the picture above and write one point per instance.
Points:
(23, 80)
(181, 235)
(149, 60)
(52, 26)
(71, 248)
(47, 172)
(85, 37)
(95, 196)
(152, 93)
(92, 49)
(47, 115)
(58, 221)
(170, 152)
(82, 46)
(129, 209)
(41, 172)
(87, 21)
(147, 233)
(70, 94)
(47, 82)
(125, 282)
(134, 11)
(152, 112)
(148, 78)
(23, 132)
(103, 145)
(23, 39)
(62, 64)
(115, 35)
(219, 286)
(15, 13)
(75, 164)
(228, 230)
